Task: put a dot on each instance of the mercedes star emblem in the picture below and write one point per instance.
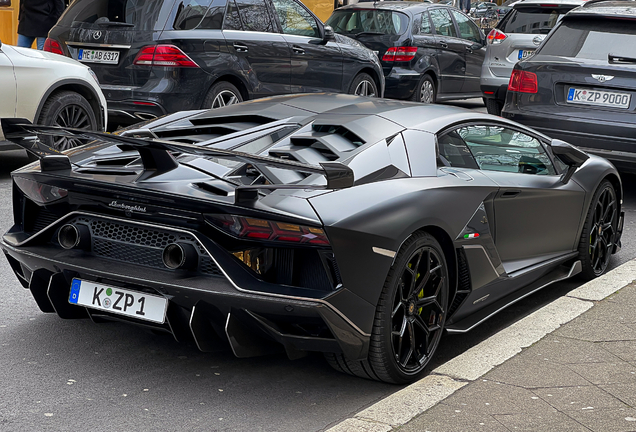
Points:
(97, 34)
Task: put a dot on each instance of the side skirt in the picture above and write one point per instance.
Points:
(560, 273)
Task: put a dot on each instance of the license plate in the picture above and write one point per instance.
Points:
(525, 53)
(598, 98)
(98, 56)
(135, 304)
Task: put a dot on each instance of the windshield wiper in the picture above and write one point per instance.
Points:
(620, 59)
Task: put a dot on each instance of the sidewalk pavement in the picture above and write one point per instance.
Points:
(570, 366)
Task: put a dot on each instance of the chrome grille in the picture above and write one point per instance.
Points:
(134, 244)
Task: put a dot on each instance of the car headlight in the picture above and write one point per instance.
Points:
(93, 75)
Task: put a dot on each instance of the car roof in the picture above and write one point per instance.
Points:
(391, 5)
(607, 8)
(525, 3)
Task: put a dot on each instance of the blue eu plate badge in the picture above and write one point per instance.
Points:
(571, 94)
(75, 289)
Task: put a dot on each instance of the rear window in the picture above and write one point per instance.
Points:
(136, 14)
(354, 21)
(597, 39)
(532, 20)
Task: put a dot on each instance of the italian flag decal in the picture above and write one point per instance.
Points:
(469, 236)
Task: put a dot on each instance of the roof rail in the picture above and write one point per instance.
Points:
(589, 2)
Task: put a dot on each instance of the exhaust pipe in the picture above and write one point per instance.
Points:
(180, 256)
(70, 236)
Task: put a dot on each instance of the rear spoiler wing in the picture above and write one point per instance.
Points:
(155, 155)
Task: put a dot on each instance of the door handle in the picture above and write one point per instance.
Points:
(297, 50)
(510, 194)
(443, 44)
(240, 47)
(469, 50)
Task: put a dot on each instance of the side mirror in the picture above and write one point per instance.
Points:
(569, 155)
(328, 34)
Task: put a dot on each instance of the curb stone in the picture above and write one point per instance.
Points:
(399, 408)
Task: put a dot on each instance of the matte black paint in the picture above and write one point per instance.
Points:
(528, 225)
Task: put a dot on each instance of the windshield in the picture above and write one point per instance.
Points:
(354, 21)
(593, 39)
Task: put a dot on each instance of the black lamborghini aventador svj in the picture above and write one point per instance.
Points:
(361, 228)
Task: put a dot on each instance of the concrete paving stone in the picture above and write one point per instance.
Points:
(607, 284)
(615, 312)
(552, 422)
(607, 420)
(626, 392)
(357, 425)
(594, 330)
(625, 350)
(496, 398)
(578, 398)
(402, 406)
(444, 418)
(606, 373)
(626, 294)
(524, 371)
(495, 350)
(564, 350)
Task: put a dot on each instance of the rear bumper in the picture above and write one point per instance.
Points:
(212, 310)
(613, 141)
(159, 96)
(401, 83)
(495, 92)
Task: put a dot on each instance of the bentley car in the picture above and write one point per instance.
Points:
(361, 228)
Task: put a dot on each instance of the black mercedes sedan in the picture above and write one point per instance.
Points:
(154, 57)
(580, 85)
(363, 228)
(429, 52)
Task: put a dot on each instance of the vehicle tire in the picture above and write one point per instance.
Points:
(222, 94)
(363, 85)
(493, 106)
(67, 109)
(410, 316)
(597, 238)
(425, 91)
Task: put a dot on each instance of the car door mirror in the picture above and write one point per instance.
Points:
(569, 155)
(328, 34)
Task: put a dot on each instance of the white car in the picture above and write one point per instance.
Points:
(49, 89)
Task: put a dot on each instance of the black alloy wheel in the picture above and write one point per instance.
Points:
(67, 109)
(599, 232)
(410, 316)
(418, 309)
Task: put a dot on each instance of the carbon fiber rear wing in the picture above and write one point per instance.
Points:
(156, 157)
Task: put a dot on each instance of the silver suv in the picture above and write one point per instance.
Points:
(516, 37)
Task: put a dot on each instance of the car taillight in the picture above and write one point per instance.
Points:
(496, 36)
(163, 55)
(53, 46)
(38, 192)
(523, 82)
(267, 230)
(399, 54)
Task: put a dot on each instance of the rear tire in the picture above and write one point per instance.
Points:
(425, 91)
(597, 238)
(222, 94)
(363, 85)
(410, 316)
(67, 109)
(493, 106)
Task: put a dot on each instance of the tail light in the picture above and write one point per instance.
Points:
(38, 192)
(496, 36)
(523, 82)
(267, 230)
(53, 46)
(163, 55)
(399, 54)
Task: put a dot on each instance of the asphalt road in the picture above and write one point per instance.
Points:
(75, 375)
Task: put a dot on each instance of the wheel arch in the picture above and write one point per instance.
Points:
(372, 73)
(235, 81)
(615, 181)
(76, 86)
(450, 255)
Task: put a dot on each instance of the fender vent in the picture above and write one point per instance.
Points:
(463, 282)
